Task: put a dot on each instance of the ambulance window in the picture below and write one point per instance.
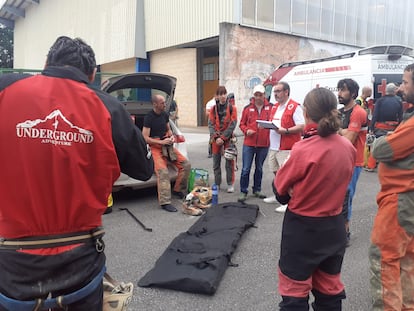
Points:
(396, 49)
(373, 50)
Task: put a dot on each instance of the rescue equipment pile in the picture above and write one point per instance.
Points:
(197, 200)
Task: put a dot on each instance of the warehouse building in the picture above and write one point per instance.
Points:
(204, 43)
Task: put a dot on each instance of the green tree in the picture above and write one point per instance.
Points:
(6, 47)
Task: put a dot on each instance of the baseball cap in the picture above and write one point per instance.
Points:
(259, 89)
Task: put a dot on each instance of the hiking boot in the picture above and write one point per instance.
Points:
(242, 197)
(179, 194)
(270, 200)
(230, 189)
(281, 208)
(259, 195)
(191, 210)
(169, 208)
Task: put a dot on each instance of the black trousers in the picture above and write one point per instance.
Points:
(311, 256)
(33, 276)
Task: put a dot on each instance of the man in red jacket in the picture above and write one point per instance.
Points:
(256, 142)
(63, 145)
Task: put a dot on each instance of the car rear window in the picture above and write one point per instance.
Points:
(137, 94)
(137, 101)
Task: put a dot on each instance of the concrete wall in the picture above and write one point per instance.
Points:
(120, 67)
(182, 64)
(249, 55)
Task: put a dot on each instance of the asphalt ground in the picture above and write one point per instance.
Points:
(132, 252)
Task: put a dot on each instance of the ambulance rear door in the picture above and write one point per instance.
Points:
(388, 69)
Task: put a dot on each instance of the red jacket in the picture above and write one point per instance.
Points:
(248, 122)
(223, 128)
(287, 141)
(308, 172)
(63, 145)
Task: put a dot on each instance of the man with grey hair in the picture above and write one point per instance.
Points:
(288, 115)
(388, 111)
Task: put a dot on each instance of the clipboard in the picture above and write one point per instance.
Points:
(267, 124)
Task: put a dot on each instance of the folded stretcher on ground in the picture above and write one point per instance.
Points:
(196, 260)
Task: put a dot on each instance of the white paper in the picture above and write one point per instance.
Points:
(267, 124)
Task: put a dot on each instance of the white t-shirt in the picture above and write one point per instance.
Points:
(210, 104)
(298, 118)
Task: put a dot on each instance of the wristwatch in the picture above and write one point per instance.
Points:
(287, 131)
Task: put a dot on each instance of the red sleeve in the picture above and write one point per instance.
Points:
(234, 114)
(357, 120)
(243, 121)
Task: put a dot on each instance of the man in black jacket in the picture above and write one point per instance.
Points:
(388, 112)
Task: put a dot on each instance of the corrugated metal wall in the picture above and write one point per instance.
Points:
(174, 22)
(109, 26)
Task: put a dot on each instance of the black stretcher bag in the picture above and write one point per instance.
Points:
(196, 260)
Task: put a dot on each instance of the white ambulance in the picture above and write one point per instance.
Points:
(374, 66)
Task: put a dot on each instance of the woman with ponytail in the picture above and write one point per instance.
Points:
(313, 181)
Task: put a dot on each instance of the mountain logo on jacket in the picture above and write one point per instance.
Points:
(54, 129)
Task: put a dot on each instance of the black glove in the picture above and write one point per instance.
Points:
(282, 199)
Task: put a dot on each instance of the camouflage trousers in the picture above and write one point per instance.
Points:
(392, 253)
(163, 178)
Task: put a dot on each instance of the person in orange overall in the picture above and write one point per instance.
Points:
(157, 133)
(221, 124)
(391, 252)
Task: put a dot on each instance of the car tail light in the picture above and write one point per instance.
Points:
(179, 138)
